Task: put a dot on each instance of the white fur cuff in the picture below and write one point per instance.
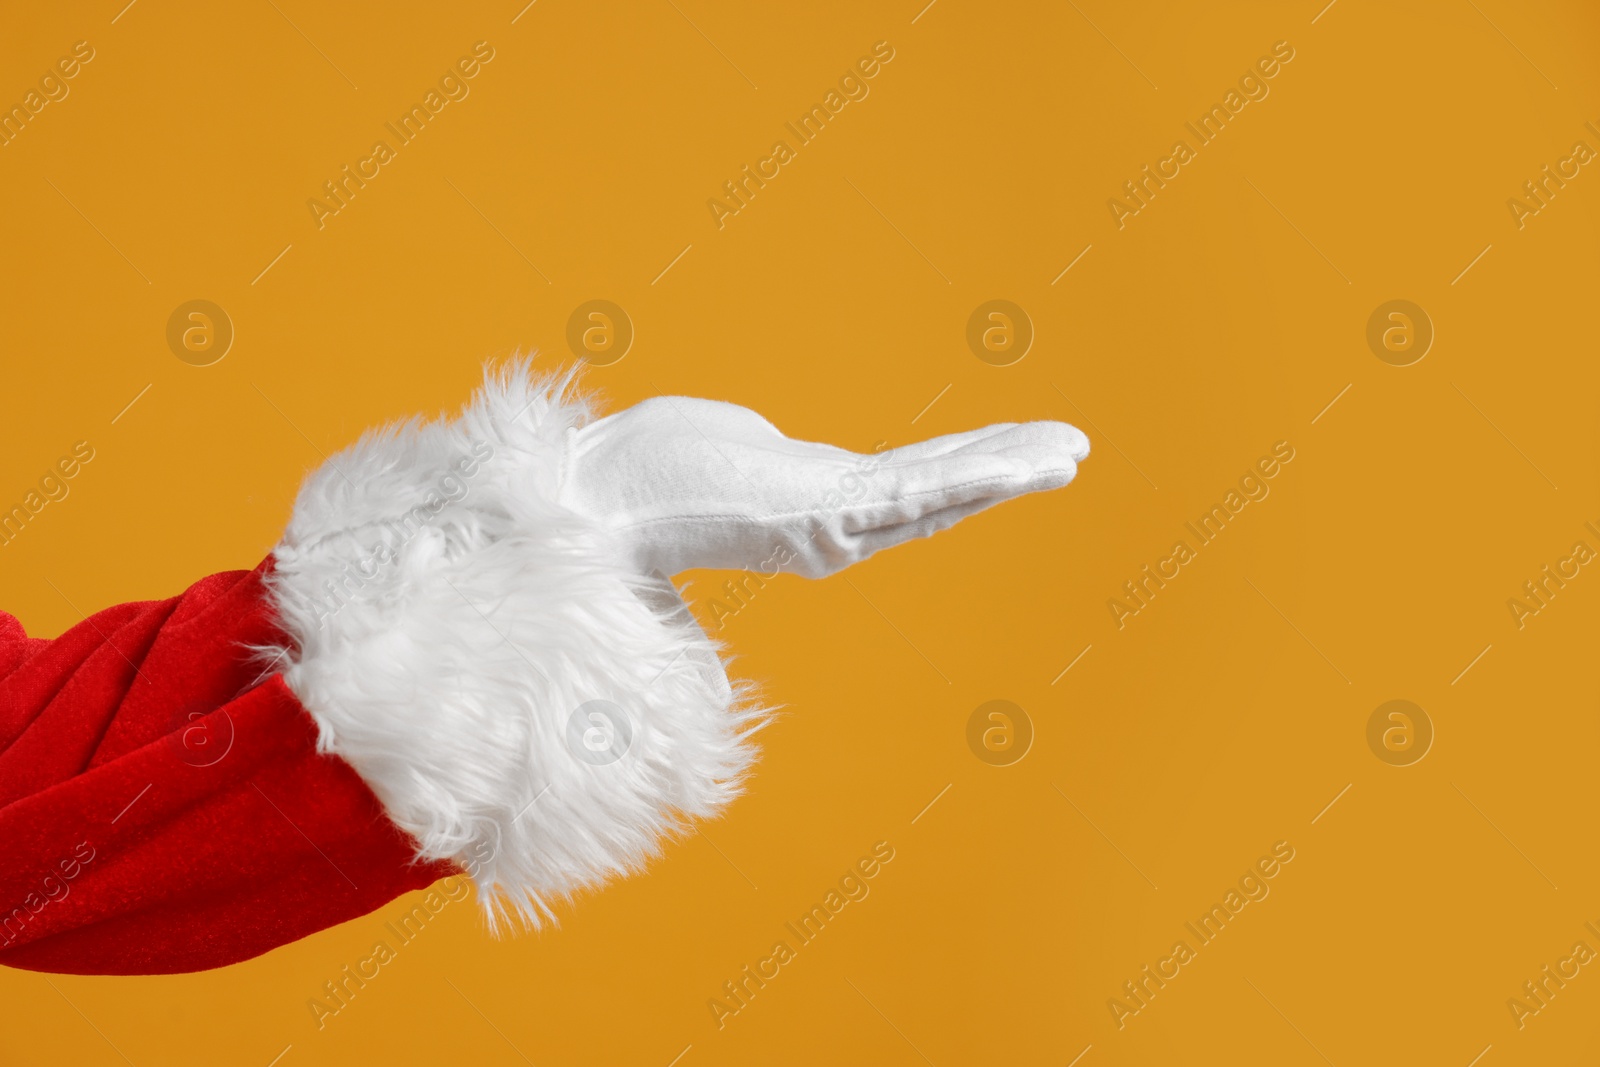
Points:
(519, 701)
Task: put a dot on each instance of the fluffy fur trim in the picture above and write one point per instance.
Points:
(519, 702)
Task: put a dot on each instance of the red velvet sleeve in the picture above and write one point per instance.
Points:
(163, 807)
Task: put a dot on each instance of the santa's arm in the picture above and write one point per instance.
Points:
(162, 804)
(466, 656)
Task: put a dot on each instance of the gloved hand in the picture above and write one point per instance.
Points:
(684, 483)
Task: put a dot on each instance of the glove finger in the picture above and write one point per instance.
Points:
(926, 525)
(1043, 441)
(934, 447)
(854, 547)
(1026, 458)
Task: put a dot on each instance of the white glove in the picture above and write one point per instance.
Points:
(683, 483)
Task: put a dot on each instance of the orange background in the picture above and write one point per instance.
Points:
(1224, 317)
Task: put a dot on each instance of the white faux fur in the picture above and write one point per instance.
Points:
(446, 619)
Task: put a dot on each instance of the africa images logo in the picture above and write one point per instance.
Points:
(807, 128)
(1207, 128)
(1139, 991)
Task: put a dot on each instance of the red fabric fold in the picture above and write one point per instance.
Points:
(163, 807)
